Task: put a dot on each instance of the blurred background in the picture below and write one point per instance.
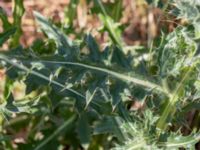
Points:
(140, 22)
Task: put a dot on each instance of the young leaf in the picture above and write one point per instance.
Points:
(109, 25)
(64, 45)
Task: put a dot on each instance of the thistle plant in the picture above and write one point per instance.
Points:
(86, 99)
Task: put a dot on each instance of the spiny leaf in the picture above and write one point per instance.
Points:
(175, 141)
(109, 124)
(93, 47)
(116, 92)
(3, 57)
(119, 58)
(90, 96)
(64, 45)
(127, 78)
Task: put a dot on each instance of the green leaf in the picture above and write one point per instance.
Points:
(119, 58)
(70, 12)
(38, 74)
(95, 54)
(120, 76)
(188, 10)
(117, 11)
(116, 91)
(109, 124)
(6, 35)
(174, 141)
(4, 138)
(84, 130)
(42, 47)
(4, 18)
(89, 96)
(64, 45)
(112, 29)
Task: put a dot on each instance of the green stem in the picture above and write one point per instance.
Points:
(196, 121)
(170, 108)
(127, 78)
(109, 25)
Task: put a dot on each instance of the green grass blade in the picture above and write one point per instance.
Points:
(103, 11)
(4, 19)
(109, 24)
(56, 132)
(170, 108)
(17, 15)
